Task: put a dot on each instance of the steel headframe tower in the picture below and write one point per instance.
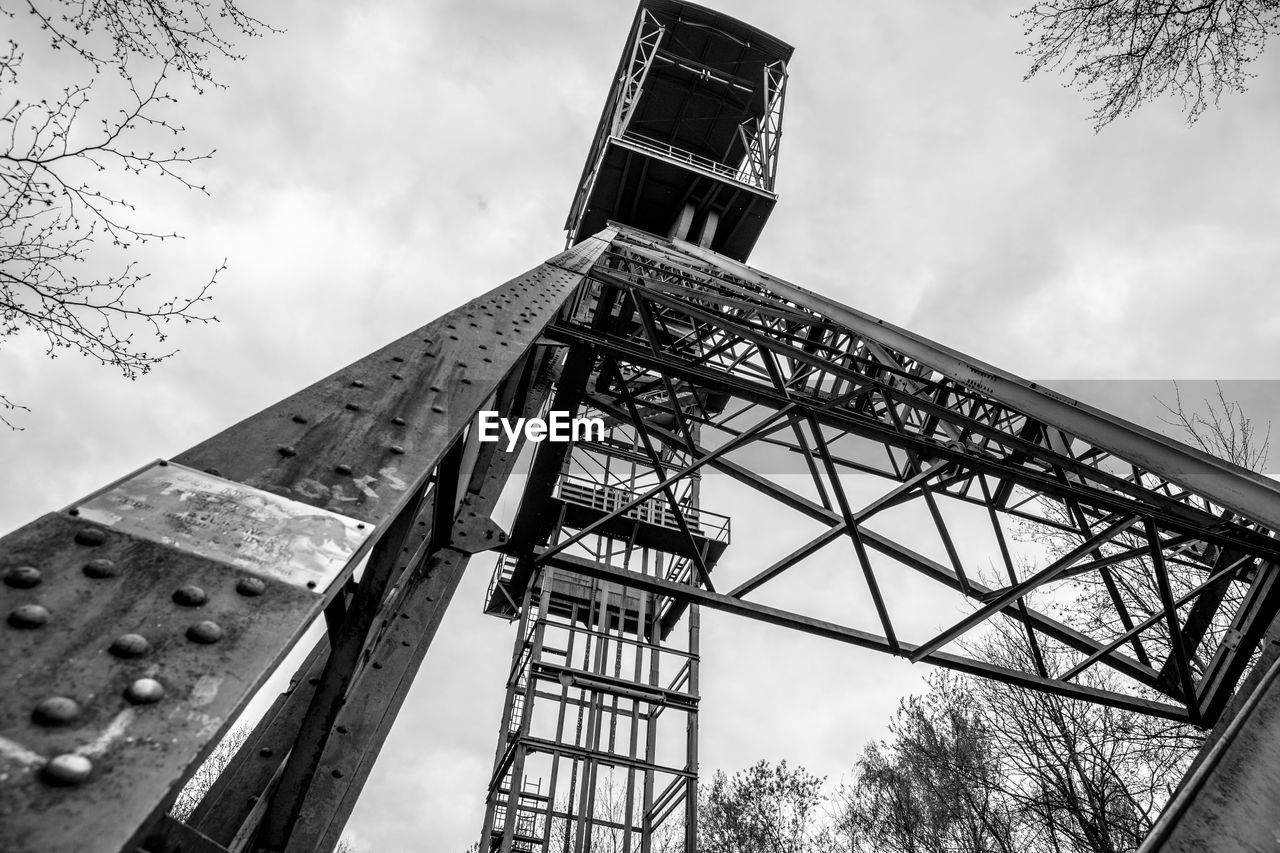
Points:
(141, 620)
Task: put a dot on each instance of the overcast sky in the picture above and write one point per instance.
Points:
(378, 164)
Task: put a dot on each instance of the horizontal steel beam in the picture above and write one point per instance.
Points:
(856, 637)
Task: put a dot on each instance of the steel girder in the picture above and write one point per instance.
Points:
(140, 621)
(1175, 547)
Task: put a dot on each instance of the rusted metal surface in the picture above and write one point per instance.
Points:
(173, 834)
(408, 624)
(358, 441)
(365, 719)
(246, 779)
(91, 609)
(229, 523)
(137, 751)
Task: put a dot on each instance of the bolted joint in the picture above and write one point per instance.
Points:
(473, 533)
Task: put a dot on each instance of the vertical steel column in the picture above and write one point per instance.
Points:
(605, 666)
(691, 782)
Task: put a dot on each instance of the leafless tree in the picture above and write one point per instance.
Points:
(935, 786)
(767, 808)
(67, 236)
(975, 766)
(1123, 53)
(202, 780)
(1081, 776)
(1221, 429)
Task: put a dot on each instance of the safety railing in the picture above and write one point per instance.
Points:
(706, 164)
(655, 510)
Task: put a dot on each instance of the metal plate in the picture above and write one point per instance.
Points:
(97, 585)
(230, 523)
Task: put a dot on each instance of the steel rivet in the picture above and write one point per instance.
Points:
(377, 665)
(205, 632)
(356, 383)
(144, 691)
(299, 419)
(29, 616)
(337, 774)
(313, 680)
(311, 584)
(214, 471)
(353, 407)
(397, 358)
(437, 408)
(342, 469)
(251, 586)
(69, 769)
(465, 381)
(101, 568)
(396, 449)
(265, 752)
(73, 511)
(129, 646)
(398, 421)
(190, 596)
(396, 376)
(22, 577)
(90, 536)
(286, 450)
(453, 337)
(359, 527)
(342, 730)
(55, 711)
(435, 388)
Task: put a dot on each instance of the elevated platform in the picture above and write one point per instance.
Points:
(649, 524)
(687, 144)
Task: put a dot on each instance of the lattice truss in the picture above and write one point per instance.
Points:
(969, 525)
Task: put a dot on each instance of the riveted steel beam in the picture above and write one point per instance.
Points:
(409, 623)
(141, 620)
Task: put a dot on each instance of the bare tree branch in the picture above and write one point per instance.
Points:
(59, 224)
(1123, 53)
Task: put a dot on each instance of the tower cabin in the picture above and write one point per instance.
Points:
(687, 146)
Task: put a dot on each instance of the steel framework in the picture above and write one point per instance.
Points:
(142, 619)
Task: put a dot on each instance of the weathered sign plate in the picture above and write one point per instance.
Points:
(231, 523)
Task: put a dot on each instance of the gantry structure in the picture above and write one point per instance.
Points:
(141, 621)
